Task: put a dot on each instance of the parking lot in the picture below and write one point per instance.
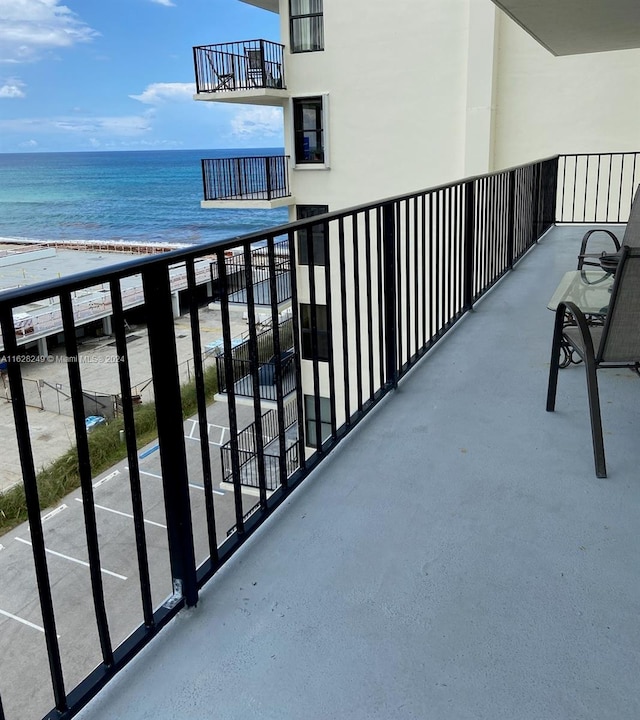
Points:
(23, 653)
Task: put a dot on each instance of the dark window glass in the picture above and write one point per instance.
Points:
(307, 26)
(318, 236)
(321, 332)
(307, 129)
(310, 420)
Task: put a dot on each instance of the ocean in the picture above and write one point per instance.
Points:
(139, 196)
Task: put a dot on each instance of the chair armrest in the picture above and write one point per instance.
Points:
(585, 241)
(581, 322)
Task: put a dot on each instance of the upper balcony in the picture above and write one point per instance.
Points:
(429, 537)
(242, 182)
(249, 71)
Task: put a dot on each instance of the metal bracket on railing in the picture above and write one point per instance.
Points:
(177, 595)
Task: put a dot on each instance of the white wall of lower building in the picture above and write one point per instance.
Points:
(426, 92)
(547, 105)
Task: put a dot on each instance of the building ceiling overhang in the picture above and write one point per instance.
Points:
(272, 5)
(572, 27)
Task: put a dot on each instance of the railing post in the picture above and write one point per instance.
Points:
(263, 62)
(173, 458)
(390, 293)
(511, 219)
(469, 244)
(267, 169)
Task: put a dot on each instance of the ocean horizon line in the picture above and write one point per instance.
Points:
(241, 151)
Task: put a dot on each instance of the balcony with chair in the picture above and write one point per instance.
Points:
(249, 71)
(441, 541)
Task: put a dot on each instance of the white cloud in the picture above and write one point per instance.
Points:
(29, 144)
(257, 121)
(158, 93)
(12, 88)
(28, 27)
(166, 3)
(126, 126)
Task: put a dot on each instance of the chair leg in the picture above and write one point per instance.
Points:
(596, 419)
(555, 362)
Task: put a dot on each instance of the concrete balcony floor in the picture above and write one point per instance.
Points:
(454, 558)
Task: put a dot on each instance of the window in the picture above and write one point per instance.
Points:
(321, 332)
(318, 236)
(310, 420)
(307, 31)
(307, 130)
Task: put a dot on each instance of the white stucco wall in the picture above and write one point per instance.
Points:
(547, 105)
(396, 78)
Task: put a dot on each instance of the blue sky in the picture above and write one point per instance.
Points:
(81, 75)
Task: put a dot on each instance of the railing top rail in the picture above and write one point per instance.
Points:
(237, 42)
(98, 276)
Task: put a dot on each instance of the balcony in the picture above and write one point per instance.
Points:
(246, 182)
(250, 71)
(276, 368)
(450, 547)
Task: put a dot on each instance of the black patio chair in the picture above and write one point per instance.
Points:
(609, 260)
(612, 345)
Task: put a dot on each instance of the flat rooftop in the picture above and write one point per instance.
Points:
(455, 557)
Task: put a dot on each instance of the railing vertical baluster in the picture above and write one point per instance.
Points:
(173, 461)
(297, 356)
(370, 353)
(201, 401)
(27, 465)
(254, 366)
(425, 285)
(132, 451)
(469, 240)
(380, 293)
(326, 250)
(390, 298)
(229, 374)
(356, 307)
(511, 215)
(345, 322)
(84, 470)
(277, 350)
(622, 158)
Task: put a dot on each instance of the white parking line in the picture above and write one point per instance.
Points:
(210, 427)
(23, 621)
(106, 478)
(124, 514)
(51, 514)
(75, 560)
(159, 477)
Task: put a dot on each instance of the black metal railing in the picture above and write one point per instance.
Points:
(597, 187)
(397, 274)
(244, 65)
(246, 178)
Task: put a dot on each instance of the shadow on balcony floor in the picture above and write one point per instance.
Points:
(455, 557)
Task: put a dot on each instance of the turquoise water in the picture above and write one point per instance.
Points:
(145, 196)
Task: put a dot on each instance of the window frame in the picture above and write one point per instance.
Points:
(319, 236)
(294, 20)
(321, 330)
(318, 102)
(310, 420)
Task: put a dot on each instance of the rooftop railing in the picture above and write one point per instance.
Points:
(244, 65)
(397, 275)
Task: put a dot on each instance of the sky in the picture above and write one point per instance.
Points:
(79, 75)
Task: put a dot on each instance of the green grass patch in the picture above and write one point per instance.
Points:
(105, 449)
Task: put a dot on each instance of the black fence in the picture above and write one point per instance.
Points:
(246, 178)
(597, 187)
(244, 65)
(397, 274)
